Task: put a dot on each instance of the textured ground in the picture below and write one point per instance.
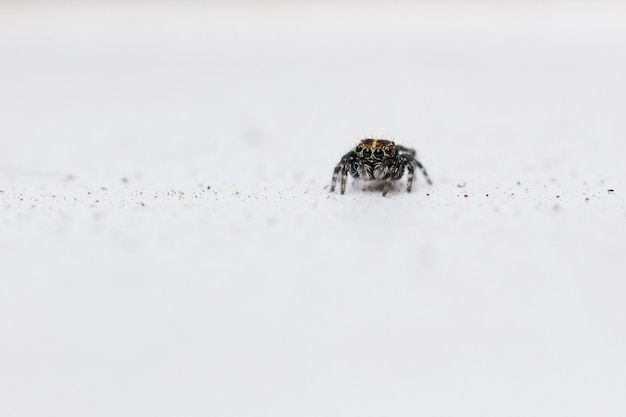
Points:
(168, 245)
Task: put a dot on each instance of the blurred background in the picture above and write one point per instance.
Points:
(125, 87)
(168, 245)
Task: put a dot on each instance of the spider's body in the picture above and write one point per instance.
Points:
(379, 160)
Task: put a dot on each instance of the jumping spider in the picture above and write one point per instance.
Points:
(380, 160)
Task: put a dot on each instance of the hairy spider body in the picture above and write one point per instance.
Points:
(378, 160)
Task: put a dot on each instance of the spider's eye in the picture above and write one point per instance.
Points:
(367, 152)
(358, 149)
(378, 153)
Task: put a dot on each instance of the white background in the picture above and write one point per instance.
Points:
(168, 244)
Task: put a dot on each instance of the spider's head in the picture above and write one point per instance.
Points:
(375, 150)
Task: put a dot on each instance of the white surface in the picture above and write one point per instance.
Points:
(129, 288)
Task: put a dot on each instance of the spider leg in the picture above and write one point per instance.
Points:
(338, 168)
(395, 172)
(413, 161)
(410, 151)
(386, 187)
(344, 177)
(411, 172)
(421, 167)
(343, 166)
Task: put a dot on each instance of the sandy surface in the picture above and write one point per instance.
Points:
(168, 244)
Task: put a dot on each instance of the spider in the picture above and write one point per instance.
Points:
(380, 160)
